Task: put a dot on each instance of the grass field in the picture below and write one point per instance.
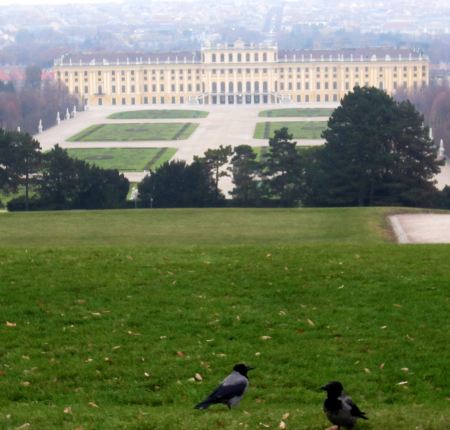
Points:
(107, 316)
(159, 114)
(302, 112)
(135, 132)
(300, 129)
(124, 159)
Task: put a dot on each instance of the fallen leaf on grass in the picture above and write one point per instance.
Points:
(93, 405)
(10, 324)
(68, 410)
(382, 366)
(404, 369)
(266, 426)
(23, 426)
(367, 370)
(285, 416)
(25, 383)
(181, 354)
(310, 322)
(131, 333)
(198, 377)
(265, 337)
(402, 383)
(282, 425)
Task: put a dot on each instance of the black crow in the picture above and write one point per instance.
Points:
(231, 390)
(339, 408)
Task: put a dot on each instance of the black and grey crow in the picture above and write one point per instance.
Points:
(339, 408)
(231, 390)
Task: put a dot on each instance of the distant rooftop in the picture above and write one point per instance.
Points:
(303, 55)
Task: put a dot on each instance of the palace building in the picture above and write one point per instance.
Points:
(238, 74)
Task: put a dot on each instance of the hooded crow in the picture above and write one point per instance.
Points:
(231, 390)
(339, 408)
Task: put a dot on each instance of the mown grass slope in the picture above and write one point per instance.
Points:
(105, 323)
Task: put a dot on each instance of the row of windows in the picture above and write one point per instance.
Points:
(231, 57)
(222, 87)
(325, 69)
(245, 99)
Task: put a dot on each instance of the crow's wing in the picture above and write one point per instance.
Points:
(354, 410)
(227, 392)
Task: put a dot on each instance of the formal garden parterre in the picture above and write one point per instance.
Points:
(135, 132)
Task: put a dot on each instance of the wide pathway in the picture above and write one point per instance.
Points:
(421, 228)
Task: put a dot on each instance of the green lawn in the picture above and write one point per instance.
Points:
(300, 129)
(159, 114)
(135, 132)
(111, 314)
(124, 159)
(305, 112)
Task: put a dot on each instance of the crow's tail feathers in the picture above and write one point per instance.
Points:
(203, 405)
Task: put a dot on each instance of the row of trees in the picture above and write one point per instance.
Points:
(27, 103)
(53, 180)
(377, 152)
(433, 102)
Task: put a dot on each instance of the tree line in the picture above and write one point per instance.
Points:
(24, 104)
(53, 180)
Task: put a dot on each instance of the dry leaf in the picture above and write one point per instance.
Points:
(285, 416)
(68, 410)
(180, 354)
(402, 383)
(25, 383)
(282, 425)
(265, 337)
(146, 374)
(10, 324)
(382, 366)
(404, 369)
(311, 323)
(198, 377)
(93, 405)
(266, 426)
(257, 354)
(367, 370)
(268, 255)
(23, 426)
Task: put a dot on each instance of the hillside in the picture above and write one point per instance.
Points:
(107, 316)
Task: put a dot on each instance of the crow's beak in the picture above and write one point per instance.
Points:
(250, 368)
(324, 388)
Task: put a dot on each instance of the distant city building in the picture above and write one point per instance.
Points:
(238, 74)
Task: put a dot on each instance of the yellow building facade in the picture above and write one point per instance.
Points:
(238, 74)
